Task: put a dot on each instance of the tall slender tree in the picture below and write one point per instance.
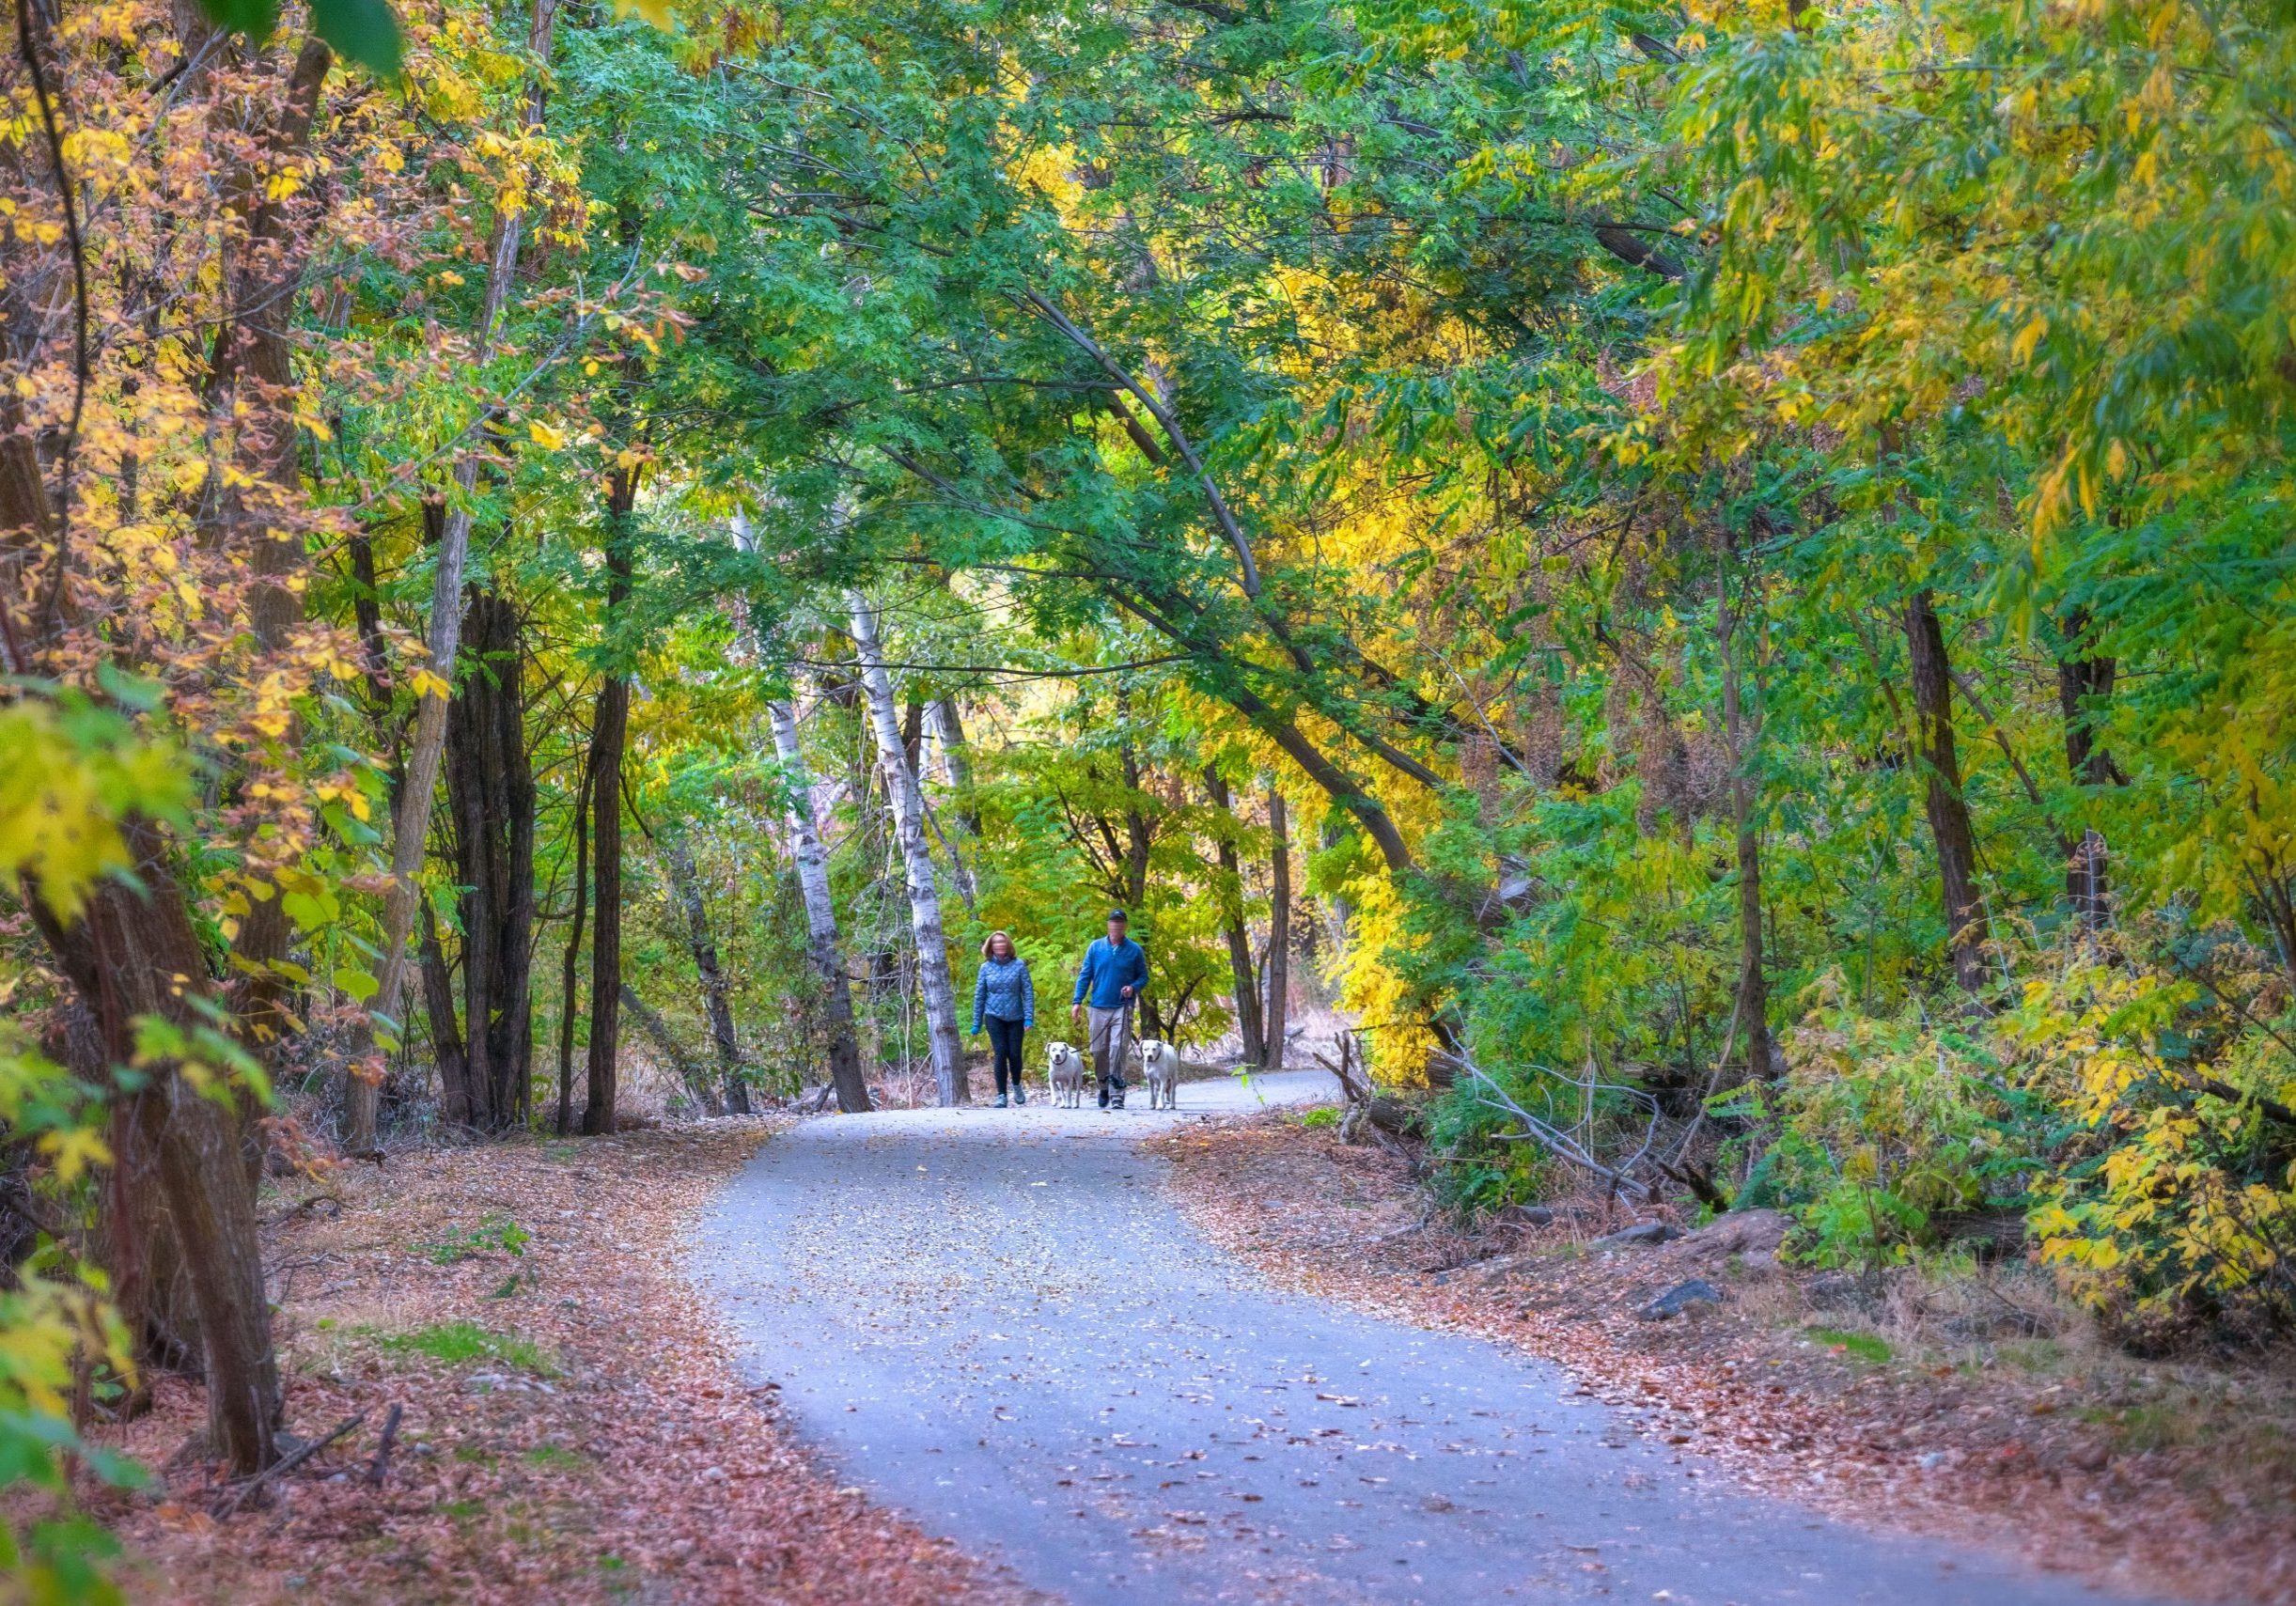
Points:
(824, 945)
(908, 805)
(609, 736)
(1942, 796)
(1276, 1017)
(1250, 1028)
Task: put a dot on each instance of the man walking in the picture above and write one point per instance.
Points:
(1114, 974)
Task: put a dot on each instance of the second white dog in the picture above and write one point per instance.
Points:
(1157, 1065)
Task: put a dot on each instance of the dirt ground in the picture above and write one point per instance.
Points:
(1976, 1406)
(573, 1427)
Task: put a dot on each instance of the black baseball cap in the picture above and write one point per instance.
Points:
(1118, 914)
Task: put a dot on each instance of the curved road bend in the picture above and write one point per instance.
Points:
(990, 1318)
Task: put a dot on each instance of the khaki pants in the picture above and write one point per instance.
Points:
(1111, 1036)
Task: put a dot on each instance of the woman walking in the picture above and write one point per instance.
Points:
(1005, 997)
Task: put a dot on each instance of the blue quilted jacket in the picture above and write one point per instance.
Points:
(1005, 990)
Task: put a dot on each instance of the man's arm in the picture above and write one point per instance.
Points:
(1084, 977)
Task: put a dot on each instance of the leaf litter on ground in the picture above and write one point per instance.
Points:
(574, 1425)
(2169, 1477)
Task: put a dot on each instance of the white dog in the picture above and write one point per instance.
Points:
(1157, 1065)
(1067, 1077)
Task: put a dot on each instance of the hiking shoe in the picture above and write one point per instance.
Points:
(1000, 1101)
(1103, 1098)
(1118, 1104)
(1020, 1096)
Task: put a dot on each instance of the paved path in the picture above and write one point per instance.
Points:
(991, 1318)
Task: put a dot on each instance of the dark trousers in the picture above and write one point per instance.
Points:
(1004, 1043)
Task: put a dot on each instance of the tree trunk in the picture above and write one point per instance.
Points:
(489, 786)
(1275, 1020)
(1139, 835)
(411, 820)
(822, 943)
(569, 977)
(941, 717)
(133, 953)
(960, 753)
(150, 1285)
(457, 1099)
(1753, 981)
(135, 1240)
(685, 885)
(697, 1081)
(1251, 1041)
(2083, 685)
(1948, 812)
(912, 736)
(909, 824)
(609, 731)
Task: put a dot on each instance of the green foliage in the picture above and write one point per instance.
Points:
(71, 771)
(1483, 1172)
(1881, 1123)
(362, 31)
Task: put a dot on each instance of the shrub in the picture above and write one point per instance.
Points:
(1882, 1123)
(2176, 1197)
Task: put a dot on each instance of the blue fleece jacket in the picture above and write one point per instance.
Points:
(1109, 968)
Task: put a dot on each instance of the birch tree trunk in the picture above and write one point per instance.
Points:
(411, 818)
(822, 942)
(908, 801)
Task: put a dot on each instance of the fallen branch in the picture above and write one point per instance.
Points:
(305, 1206)
(1559, 1143)
(240, 1493)
(382, 1464)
